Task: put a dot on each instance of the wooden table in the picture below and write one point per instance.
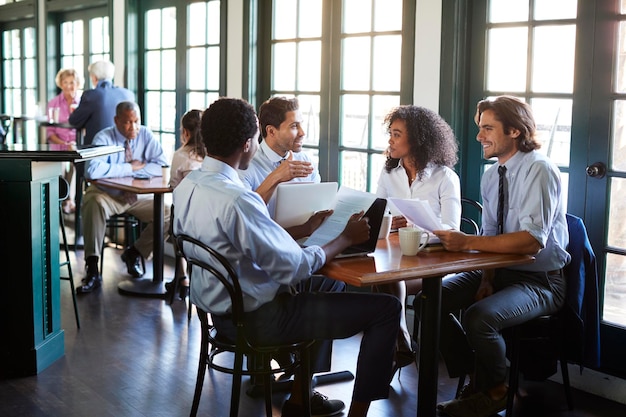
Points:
(155, 185)
(388, 264)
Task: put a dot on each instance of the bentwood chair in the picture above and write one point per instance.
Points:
(64, 191)
(202, 259)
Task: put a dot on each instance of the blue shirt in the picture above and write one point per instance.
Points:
(264, 162)
(213, 205)
(534, 205)
(145, 149)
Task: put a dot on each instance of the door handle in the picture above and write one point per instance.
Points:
(596, 170)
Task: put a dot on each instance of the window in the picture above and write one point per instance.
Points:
(19, 79)
(344, 100)
(182, 71)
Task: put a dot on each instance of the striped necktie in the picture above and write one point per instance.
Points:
(501, 194)
(128, 157)
(128, 152)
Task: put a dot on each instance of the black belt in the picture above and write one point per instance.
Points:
(558, 272)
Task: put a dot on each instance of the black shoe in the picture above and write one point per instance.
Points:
(183, 290)
(321, 406)
(132, 258)
(92, 280)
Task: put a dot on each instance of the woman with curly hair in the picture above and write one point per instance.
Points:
(422, 151)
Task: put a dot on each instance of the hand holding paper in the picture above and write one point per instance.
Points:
(419, 213)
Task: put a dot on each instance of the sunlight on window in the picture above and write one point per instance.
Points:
(554, 47)
(506, 59)
(618, 137)
(355, 62)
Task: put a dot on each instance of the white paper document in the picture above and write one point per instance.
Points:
(347, 202)
(419, 213)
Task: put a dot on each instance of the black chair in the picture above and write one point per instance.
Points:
(5, 125)
(64, 191)
(131, 226)
(178, 273)
(201, 257)
(471, 213)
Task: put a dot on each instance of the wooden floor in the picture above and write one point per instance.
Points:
(138, 357)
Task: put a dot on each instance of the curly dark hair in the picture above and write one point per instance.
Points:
(431, 139)
(191, 121)
(513, 113)
(272, 112)
(226, 125)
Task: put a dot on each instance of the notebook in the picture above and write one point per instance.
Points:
(297, 201)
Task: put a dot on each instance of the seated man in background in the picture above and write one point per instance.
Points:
(143, 155)
(214, 206)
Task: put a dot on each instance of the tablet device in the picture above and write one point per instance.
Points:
(296, 202)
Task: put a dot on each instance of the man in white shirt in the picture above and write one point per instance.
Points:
(280, 158)
(213, 205)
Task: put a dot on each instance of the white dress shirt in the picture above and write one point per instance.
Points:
(440, 186)
(212, 205)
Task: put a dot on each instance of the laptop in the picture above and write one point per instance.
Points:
(297, 201)
(375, 216)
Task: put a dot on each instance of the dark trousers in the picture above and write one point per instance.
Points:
(518, 296)
(327, 316)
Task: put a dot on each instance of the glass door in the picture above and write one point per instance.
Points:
(567, 59)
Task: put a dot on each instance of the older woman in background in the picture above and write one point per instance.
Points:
(69, 81)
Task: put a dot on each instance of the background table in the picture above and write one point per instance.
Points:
(387, 264)
(144, 286)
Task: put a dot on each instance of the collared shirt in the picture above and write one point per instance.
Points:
(534, 205)
(145, 148)
(266, 161)
(66, 135)
(213, 205)
(440, 186)
(184, 161)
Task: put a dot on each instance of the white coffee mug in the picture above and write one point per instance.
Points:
(165, 173)
(385, 226)
(412, 240)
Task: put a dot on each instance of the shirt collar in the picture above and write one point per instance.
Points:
(428, 171)
(270, 154)
(218, 167)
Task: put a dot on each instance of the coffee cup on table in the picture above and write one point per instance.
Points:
(412, 240)
(165, 173)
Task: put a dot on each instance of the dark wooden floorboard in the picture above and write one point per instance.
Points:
(137, 357)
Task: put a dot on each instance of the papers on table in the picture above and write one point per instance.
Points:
(347, 202)
(419, 213)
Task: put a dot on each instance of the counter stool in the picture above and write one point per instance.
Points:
(64, 191)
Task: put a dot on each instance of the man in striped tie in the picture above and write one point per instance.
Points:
(143, 156)
(523, 213)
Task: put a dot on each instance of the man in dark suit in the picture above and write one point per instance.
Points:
(95, 112)
(97, 106)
